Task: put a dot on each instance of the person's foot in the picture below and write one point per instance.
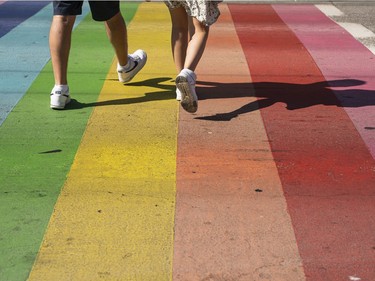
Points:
(136, 62)
(185, 83)
(59, 97)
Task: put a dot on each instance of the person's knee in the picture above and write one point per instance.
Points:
(117, 21)
(65, 21)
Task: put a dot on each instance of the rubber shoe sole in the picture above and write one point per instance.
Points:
(178, 95)
(189, 100)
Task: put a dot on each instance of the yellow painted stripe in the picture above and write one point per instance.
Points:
(114, 217)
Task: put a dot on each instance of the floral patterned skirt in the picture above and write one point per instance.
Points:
(205, 11)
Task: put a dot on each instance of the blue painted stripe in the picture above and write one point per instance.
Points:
(23, 53)
(12, 13)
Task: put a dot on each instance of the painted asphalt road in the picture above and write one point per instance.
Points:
(24, 52)
(358, 18)
(272, 179)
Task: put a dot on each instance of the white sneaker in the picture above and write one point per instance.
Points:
(59, 98)
(138, 59)
(178, 94)
(185, 83)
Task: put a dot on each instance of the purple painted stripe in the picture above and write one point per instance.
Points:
(339, 56)
(12, 13)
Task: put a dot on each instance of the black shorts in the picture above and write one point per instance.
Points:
(101, 10)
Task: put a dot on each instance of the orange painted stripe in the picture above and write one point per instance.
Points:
(224, 228)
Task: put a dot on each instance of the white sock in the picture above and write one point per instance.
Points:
(129, 65)
(62, 88)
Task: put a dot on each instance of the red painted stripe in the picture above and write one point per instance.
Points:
(325, 168)
(357, 95)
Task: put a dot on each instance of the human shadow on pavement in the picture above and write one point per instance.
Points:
(294, 96)
(167, 92)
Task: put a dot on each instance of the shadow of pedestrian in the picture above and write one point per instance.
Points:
(294, 96)
(167, 92)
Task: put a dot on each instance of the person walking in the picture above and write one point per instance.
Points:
(65, 13)
(191, 20)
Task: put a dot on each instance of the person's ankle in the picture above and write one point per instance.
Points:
(61, 87)
(128, 66)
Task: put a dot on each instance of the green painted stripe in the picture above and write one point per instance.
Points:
(24, 52)
(38, 145)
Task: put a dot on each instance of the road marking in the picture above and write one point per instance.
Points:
(334, 149)
(114, 217)
(24, 52)
(357, 30)
(30, 180)
(330, 10)
(225, 228)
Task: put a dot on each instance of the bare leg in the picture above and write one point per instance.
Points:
(197, 43)
(117, 34)
(60, 41)
(180, 36)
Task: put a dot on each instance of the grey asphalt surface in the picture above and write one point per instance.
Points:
(358, 12)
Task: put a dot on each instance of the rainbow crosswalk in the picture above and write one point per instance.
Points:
(272, 179)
